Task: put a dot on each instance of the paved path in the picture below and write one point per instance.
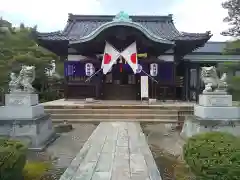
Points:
(114, 151)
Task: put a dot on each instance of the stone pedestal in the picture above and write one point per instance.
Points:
(213, 113)
(24, 119)
(217, 100)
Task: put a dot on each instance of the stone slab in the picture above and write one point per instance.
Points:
(217, 113)
(36, 135)
(110, 154)
(35, 120)
(215, 100)
(20, 112)
(21, 99)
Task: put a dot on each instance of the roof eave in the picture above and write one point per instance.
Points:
(137, 26)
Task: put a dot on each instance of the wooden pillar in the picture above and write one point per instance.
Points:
(64, 58)
(198, 67)
(186, 81)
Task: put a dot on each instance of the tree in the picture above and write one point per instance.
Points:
(18, 47)
(233, 18)
(233, 47)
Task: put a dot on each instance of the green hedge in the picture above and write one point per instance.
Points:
(12, 159)
(235, 95)
(213, 156)
(50, 96)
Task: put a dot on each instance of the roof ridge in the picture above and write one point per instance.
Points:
(72, 17)
(216, 42)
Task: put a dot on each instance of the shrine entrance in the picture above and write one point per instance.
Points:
(121, 83)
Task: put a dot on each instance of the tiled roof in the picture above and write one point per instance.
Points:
(58, 35)
(81, 26)
(212, 47)
(193, 36)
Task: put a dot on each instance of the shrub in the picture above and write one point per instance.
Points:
(12, 159)
(50, 96)
(182, 172)
(35, 170)
(213, 156)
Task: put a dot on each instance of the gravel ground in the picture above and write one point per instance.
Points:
(163, 137)
(65, 148)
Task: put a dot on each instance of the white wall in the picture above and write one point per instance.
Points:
(76, 57)
(167, 58)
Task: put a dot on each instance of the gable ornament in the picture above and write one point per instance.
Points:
(122, 16)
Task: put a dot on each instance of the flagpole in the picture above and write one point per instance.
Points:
(149, 76)
(88, 79)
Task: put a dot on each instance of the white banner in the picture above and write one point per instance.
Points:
(144, 87)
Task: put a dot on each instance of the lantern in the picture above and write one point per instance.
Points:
(154, 69)
(89, 69)
(139, 69)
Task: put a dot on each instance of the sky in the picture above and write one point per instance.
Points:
(51, 15)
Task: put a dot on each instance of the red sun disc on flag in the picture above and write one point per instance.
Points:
(107, 58)
(134, 58)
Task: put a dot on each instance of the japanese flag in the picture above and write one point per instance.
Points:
(110, 57)
(130, 55)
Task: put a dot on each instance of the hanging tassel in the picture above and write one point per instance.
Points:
(120, 64)
(121, 67)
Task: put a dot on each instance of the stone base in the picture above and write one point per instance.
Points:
(21, 112)
(35, 133)
(194, 125)
(151, 101)
(218, 92)
(215, 100)
(21, 99)
(217, 113)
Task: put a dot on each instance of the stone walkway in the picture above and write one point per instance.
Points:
(114, 151)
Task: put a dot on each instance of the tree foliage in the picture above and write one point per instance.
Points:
(12, 159)
(18, 47)
(233, 47)
(233, 18)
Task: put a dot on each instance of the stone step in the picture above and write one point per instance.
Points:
(76, 121)
(114, 116)
(111, 111)
(101, 106)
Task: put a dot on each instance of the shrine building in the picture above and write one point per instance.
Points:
(168, 60)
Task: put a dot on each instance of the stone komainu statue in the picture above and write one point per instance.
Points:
(211, 80)
(22, 83)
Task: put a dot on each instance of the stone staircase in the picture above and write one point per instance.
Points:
(100, 113)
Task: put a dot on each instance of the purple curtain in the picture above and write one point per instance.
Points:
(165, 71)
(77, 68)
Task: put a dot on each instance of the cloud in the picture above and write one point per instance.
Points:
(47, 14)
(201, 16)
(51, 15)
